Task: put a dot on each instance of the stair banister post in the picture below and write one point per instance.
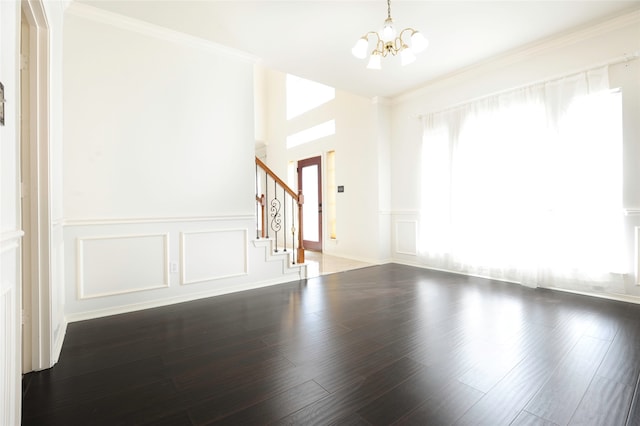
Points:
(257, 200)
(300, 233)
(293, 229)
(262, 203)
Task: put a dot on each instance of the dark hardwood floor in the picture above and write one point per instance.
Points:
(381, 345)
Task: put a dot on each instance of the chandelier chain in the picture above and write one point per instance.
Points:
(389, 9)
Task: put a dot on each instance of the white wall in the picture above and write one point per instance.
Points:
(153, 128)
(383, 128)
(158, 167)
(362, 216)
(548, 59)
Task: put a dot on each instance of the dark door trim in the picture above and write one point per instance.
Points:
(312, 162)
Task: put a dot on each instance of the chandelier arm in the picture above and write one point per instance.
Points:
(371, 33)
(366, 36)
(398, 44)
(406, 30)
(380, 48)
(379, 43)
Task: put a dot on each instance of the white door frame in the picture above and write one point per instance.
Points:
(39, 287)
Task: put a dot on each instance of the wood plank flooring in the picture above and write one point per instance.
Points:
(381, 345)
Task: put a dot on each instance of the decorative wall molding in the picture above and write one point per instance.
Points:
(9, 266)
(139, 220)
(579, 34)
(406, 237)
(10, 240)
(187, 297)
(155, 31)
(637, 254)
(10, 377)
(123, 251)
(205, 256)
(534, 49)
(407, 212)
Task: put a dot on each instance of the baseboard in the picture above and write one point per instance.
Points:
(82, 316)
(359, 259)
(609, 296)
(417, 265)
(57, 347)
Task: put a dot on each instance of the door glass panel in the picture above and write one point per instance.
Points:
(310, 207)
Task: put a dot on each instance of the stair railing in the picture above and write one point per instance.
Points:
(269, 184)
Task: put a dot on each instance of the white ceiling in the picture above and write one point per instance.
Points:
(313, 39)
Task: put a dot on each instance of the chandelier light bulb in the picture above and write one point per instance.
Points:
(374, 62)
(407, 57)
(360, 48)
(388, 32)
(418, 42)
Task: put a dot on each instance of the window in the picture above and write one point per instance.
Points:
(527, 186)
(327, 128)
(304, 95)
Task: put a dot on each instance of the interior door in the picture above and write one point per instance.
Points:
(310, 181)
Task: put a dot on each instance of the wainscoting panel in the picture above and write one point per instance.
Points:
(406, 237)
(10, 367)
(111, 265)
(118, 265)
(214, 254)
(637, 255)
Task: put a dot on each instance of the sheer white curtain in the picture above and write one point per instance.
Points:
(527, 185)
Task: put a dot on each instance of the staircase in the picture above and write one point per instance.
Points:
(279, 224)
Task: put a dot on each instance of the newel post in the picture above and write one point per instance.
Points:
(300, 233)
(262, 203)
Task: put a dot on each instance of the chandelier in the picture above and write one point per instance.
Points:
(387, 42)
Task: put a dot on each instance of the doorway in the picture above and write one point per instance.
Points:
(37, 344)
(310, 181)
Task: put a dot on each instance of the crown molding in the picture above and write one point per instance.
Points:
(575, 36)
(141, 27)
(557, 41)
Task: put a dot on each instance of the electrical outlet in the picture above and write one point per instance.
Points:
(173, 267)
